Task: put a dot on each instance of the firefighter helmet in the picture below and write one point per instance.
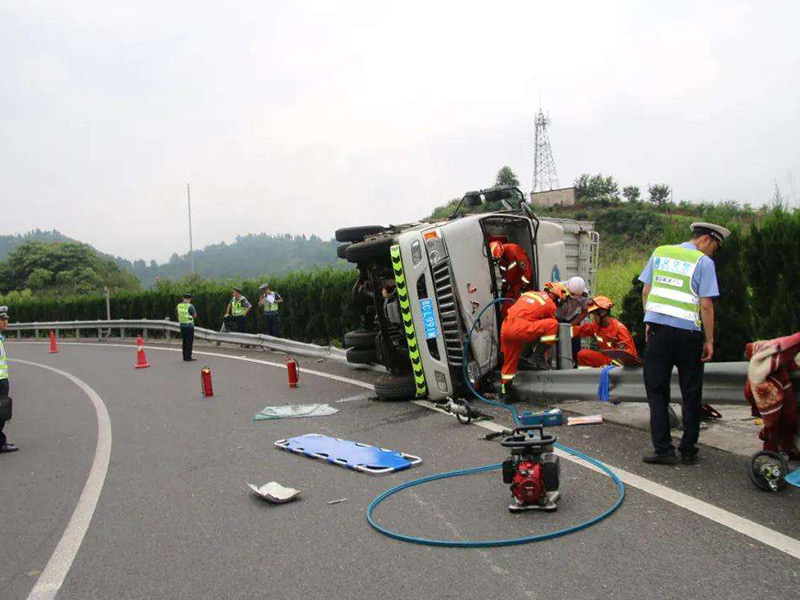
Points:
(496, 248)
(557, 290)
(600, 303)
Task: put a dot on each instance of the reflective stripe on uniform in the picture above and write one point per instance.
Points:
(548, 338)
(525, 279)
(507, 377)
(512, 265)
(672, 311)
(536, 296)
(675, 295)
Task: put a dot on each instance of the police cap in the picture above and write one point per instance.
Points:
(4, 313)
(237, 289)
(187, 295)
(717, 232)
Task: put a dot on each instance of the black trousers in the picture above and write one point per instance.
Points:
(241, 323)
(273, 324)
(669, 347)
(3, 394)
(187, 340)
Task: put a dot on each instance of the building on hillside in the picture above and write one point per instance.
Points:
(563, 197)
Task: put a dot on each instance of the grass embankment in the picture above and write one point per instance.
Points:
(614, 278)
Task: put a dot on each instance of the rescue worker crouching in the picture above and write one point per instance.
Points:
(530, 318)
(610, 334)
(5, 400)
(237, 310)
(515, 270)
(186, 317)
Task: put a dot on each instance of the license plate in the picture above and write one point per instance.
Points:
(429, 319)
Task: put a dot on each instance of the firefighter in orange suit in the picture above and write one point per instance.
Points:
(530, 318)
(609, 333)
(515, 267)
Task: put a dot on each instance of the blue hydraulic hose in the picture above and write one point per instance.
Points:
(474, 470)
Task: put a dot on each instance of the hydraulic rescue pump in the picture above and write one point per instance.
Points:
(532, 469)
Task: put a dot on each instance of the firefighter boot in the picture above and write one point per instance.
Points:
(508, 393)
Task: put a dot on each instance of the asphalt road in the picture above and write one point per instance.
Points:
(175, 519)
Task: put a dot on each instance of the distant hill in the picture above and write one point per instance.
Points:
(248, 256)
(9, 242)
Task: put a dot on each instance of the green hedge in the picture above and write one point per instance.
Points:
(317, 305)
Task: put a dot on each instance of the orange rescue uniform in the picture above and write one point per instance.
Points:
(614, 336)
(530, 318)
(517, 272)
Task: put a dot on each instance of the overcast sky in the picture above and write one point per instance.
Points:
(306, 116)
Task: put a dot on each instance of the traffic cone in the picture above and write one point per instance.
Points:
(53, 344)
(141, 357)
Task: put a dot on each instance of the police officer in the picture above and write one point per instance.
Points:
(5, 401)
(186, 317)
(270, 300)
(680, 284)
(238, 308)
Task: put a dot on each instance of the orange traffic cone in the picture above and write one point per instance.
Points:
(141, 357)
(53, 344)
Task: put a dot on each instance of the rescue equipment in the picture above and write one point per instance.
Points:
(53, 344)
(141, 357)
(497, 542)
(351, 455)
(293, 369)
(205, 382)
(532, 469)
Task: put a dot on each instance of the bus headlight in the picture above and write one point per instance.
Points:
(434, 244)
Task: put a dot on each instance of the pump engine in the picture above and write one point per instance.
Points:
(532, 469)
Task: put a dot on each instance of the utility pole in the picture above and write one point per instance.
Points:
(191, 247)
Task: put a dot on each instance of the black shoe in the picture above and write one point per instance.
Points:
(660, 459)
(690, 459)
(8, 448)
(189, 359)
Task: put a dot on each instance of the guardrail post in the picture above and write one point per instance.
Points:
(77, 333)
(19, 333)
(144, 333)
(121, 333)
(36, 334)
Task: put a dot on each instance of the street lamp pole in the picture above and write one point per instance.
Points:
(191, 246)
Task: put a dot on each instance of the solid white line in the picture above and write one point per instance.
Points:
(765, 535)
(52, 578)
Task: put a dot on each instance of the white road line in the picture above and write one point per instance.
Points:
(765, 535)
(52, 578)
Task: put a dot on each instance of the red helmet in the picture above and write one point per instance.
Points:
(496, 248)
(556, 289)
(600, 303)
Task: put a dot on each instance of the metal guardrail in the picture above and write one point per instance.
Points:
(723, 383)
(266, 342)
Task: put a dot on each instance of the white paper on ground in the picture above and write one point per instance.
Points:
(275, 492)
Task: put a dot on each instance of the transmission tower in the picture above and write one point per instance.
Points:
(544, 168)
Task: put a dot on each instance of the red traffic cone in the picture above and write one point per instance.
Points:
(141, 357)
(53, 344)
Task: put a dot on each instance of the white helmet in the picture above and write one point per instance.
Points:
(576, 286)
